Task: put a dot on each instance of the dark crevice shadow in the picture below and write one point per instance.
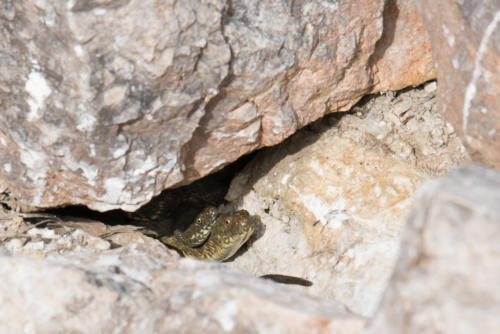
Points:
(173, 209)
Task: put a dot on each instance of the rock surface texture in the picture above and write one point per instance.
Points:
(74, 283)
(465, 38)
(446, 280)
(107, 103)
(402, 53)
(331, 201)
(333, 197)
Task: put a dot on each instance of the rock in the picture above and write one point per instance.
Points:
(465, 39)
(107, 103)
(333, 200)
(407, 126)
(20, 237)
(446, 279)
(403, 54)
(149, 289)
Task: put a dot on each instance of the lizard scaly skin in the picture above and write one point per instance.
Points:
(226, 235)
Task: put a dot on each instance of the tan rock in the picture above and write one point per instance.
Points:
(334, 214)
(107, 105)
(466, 51)
(333, 202)
(446, 279)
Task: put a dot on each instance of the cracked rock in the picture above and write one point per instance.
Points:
(107, 103)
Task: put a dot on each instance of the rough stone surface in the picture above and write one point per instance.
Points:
(333, 199)
(403, 53)
(407, 126)
(446, 280)
(143, 288)
(465, 38)
(106, 103)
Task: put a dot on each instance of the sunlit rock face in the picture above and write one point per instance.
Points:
(333, 198)
(465, 39)
(447, 274)
(107, 103)
(73, 281)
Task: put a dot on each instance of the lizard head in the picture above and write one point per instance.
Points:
(232, 231)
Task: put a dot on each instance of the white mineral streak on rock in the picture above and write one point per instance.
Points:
(78, 50)
(225, 315)
(92, 152)
(145, 166)
(449, 36)
(284, 179)
(36, 161)
(467, 69)
(38, 89)
(7, 167)
(471, 88)
(317, 205)
(114, 187)
(121, 146)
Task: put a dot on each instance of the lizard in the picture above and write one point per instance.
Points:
(211, 237)
(218, 238)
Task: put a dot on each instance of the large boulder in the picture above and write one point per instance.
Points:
(333, 197)
(73, 282)
(446, 280)
(465, 38)
(107, 103)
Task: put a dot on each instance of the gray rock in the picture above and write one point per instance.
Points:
(107, 103)
(145, 288)
(447, 276)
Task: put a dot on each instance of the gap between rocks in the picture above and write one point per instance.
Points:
(331, 199)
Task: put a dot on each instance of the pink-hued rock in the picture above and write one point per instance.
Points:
(465, 39)
(403, 55)
(446, 279)
(107, 103)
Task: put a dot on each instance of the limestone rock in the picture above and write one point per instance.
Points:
(407, 126)
(107, 103)
(17, 236)
(333, 201)
(446, 279)
(465, 39)
(147, 288)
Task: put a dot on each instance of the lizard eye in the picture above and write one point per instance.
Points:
(228, 221)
